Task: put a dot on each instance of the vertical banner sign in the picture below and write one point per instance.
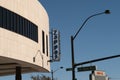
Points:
(55, 45)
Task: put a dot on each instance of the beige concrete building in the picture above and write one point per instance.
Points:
(24, 37)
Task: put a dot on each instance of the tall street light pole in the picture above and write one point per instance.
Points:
(52, 72)
(73, 38)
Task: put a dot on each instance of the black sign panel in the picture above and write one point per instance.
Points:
(55, 45)
(88, 68)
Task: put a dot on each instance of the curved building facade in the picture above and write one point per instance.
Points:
(24, 36)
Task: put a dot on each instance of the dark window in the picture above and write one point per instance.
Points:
(15, 23)
(8, 20)
(18, 24)
(28, 28)
(36, 30)
(21, 25)
(43, 41)
(32, 31)
(47, 45)
(4, 14)
(1, 17)
(12, 21)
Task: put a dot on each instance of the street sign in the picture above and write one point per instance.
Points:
(88, 68)
(68, 69)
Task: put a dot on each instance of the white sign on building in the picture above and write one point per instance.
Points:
(98, 75)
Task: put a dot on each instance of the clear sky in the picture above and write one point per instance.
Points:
(98, 38)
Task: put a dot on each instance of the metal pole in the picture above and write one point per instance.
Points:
(72, 52)
(52, 74)
(18, 73)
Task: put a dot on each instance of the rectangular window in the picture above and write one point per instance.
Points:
(21, 27)
(12, 21)
(8, 20)
(1, 17)
(25, 28)
(29, 29)
(32, 27)
(4, 18)
(36, 33)
(47, 44)
(43, 41)
(16, 23)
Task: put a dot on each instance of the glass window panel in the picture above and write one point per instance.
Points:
(8, 20)
(1, 17)
(43, 41)
(4, 18)
(12, 22)
(47, 44)
(16, 23)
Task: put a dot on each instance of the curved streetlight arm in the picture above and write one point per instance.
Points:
(57, 69)
(106, 12)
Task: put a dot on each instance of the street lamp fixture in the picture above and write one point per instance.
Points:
(73, 37)
(107, 11)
